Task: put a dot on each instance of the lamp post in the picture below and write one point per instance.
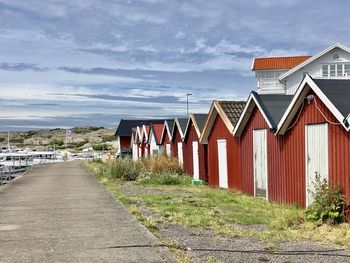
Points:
(187, 95)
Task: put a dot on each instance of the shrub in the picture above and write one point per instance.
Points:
(329, 203)
(157, 170)
(124, 169)
(161, 164)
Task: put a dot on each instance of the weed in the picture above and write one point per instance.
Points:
(329, 203)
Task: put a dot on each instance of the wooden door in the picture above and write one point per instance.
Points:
(222, 161)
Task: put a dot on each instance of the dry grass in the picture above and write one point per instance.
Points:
(161, 164)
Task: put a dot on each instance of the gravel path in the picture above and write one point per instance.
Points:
(206, 246)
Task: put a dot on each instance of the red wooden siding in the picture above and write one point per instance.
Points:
(220, 131)
(294, 153)
(274, 158)
(176, 138)
(192, 136)
(125, 142)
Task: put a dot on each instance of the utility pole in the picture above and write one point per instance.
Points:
(187, 95)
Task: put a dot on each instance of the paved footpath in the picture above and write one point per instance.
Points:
(60, 213)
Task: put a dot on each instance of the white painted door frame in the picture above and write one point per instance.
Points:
(180, 155)
(135, 152)
(195, 158)
(168, 149)
(260, 163)
(222, 163)
(316, 156)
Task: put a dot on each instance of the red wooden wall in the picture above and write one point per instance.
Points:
(274, 155)
(219, 131)
(294, 153)
(176, 138)
(125, 142)
(192, 136)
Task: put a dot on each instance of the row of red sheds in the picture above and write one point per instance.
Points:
(271, 145)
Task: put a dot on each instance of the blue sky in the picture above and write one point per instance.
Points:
(88, 62)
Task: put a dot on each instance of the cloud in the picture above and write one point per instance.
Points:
(21, 67)
(139, 58)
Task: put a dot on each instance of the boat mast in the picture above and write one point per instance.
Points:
(8, 141)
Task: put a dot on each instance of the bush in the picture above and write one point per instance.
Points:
(329, 203)
(124, 169)
(157, 170)
(162, 164)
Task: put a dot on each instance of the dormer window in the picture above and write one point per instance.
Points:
(336, 56)
(335, 70)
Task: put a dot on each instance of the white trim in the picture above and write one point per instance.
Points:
(166, 128)
(298, 98)
(215, 110)
(238, 128)
(313, 58)
(252, 66)
(145, 131)
(195, 124)
(178, 127)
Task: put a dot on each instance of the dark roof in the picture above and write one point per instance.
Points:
(274, 105)
(200, 120)
(337, 91)
(171, 125)
(183, 123)
(125, 126)
(232, 109)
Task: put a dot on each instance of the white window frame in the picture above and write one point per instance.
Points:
(336, 65)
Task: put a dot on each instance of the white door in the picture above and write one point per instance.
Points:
(260, 162)
(222, 158)
(146, 150)
(316, 156)
(180, 153)
(134, 152)
(195, 160)
(168, 149)
(140, 152)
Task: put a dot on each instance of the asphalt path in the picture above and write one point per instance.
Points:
(60, 213)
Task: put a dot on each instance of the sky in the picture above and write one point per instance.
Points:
(87, 62)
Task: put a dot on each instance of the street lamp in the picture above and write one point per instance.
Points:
(187, 95)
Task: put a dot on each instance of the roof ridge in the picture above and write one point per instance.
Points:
(282, 57)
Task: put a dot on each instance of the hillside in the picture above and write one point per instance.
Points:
(81, 137)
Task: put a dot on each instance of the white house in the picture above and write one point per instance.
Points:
(282, 75)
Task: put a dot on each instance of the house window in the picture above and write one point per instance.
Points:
(340, 70)
(347, 69)
(324, 70)
(332, 70)
(336, 56)
(335, 70)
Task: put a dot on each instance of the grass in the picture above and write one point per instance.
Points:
(225, 212)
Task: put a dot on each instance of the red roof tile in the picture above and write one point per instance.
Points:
(158, 130)
(278, 62)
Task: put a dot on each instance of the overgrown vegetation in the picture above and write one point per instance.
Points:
(157, 171)
(329, 203)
